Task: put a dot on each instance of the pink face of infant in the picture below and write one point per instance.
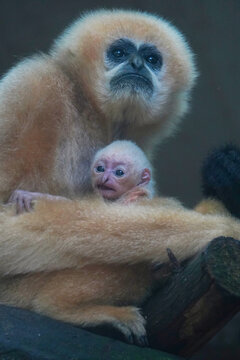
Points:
(112, 177)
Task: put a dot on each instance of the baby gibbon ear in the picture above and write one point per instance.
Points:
(145, 177)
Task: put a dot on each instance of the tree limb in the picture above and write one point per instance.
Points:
(197, 301)
(25, 335)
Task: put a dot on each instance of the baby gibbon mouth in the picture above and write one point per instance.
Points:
(105, 187)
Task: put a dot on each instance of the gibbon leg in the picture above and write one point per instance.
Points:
(126, 319)
(211, 206)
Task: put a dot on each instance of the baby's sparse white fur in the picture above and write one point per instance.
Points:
(127, 151)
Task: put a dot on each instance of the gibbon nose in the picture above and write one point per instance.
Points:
(105, 178)
(137, 62)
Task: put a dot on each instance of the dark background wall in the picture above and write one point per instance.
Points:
(213, 30)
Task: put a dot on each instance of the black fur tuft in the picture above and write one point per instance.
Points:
(221, 177)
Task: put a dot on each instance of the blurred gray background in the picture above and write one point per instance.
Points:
(212, 28)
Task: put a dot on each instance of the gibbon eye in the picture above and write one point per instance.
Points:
(100, 168)
(119, 173)
(152, 56)
(152, 59)
(118, 53)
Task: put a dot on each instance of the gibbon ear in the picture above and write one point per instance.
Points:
(145, 177)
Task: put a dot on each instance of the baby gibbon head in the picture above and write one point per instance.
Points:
(118, 168)
(131, 65)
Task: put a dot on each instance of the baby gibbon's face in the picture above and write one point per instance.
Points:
(112, 178)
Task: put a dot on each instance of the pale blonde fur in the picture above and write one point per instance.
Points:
(78, 233)
(81, 261)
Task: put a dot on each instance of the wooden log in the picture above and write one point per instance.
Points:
(25, 335)
(197, 301)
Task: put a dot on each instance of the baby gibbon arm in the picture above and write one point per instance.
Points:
(64, 233)
(135, 194)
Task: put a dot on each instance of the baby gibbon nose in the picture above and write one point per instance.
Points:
(105, 178)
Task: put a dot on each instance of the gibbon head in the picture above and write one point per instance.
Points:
(118, 168)
(131, 65)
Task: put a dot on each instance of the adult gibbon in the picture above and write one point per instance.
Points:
(111, 75)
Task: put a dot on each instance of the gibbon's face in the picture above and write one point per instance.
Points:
(112, 178)
(135, 67)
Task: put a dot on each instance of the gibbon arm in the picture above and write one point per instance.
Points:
(65, 233)
(33, 99)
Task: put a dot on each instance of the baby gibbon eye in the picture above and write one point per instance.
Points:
(100, 168)
(119, 173)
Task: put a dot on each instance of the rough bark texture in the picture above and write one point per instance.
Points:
(197, 301)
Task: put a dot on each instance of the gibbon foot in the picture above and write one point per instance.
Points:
(132, 325)
(126, 319)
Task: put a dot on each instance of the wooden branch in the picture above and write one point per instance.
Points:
(198, 300)
(25, 335)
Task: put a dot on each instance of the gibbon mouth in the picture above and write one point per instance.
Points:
(132, 77)
(132, 80)
(105, 187)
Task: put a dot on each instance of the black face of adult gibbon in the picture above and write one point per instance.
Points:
(136, 66)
